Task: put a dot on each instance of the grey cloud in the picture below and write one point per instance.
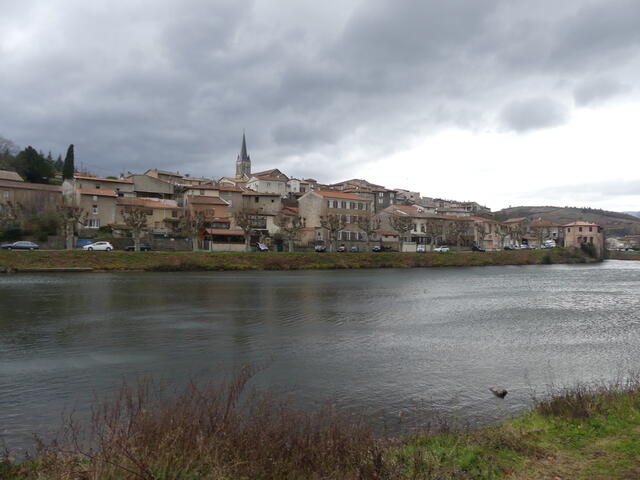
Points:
(593, 190)
(160, 84)
(533, 114)
(597, 90)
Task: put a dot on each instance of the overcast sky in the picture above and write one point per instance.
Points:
(499, 101)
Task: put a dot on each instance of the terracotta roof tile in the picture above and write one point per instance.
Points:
(347, 196)
(9, 175)
(30, 186)
(204, 200)
(102, 179)
(148, 203)
(99, 192)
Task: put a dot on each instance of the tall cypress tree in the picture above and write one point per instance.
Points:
(68, 168)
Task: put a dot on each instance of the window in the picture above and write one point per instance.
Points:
(256, 199)
(94, 209)
(95, 198)
(569, 230)
(579, 229)
(380, 200)
(347, 219)
(380, 194)
(6, 194)
(201, 192)
(174, 214)
(590, 239)
(210, 212)
(343, 204)
(591, 229)
(94, 223)
(348, 204)
(97, 187)
(329, 204)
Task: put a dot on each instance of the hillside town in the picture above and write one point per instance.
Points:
(271, 210)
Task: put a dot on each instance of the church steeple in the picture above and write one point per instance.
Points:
(243, 162)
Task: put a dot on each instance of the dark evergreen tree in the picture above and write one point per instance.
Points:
(33, 167)
(69, 168)
(58, 164)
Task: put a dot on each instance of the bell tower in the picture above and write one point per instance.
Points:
(243, 162)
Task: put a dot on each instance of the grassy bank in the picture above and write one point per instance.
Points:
(203, 261)
(210, 433)
(615, 255)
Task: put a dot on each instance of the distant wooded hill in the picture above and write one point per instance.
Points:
(615, 223)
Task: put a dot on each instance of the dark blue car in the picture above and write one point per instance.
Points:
(22, 245)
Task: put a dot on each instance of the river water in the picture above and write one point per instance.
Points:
(424, 342)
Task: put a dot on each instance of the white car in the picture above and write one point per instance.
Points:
(106, 246)
(441, 248)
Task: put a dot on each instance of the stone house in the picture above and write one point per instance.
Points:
(120, 186)
(174, 178)
(31, 196)
(214, 208)
(267, 184)
(578, 233)
(99, 204)
(146, 186)
(316, 205)
(163, 216)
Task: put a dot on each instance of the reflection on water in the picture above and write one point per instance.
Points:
(424, 341)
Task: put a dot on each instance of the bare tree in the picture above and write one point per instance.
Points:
(333, 223)
(456, 230)
(136, 219)
(516, 231)
(192, 224)
(243, 219)
(10, 214)
(290, 226)
(479, 230)
(541, 233)
(502, 231)
(402, 225)
(71, 216)
(369, 224)
(435, 228)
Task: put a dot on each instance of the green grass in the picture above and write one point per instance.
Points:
(207, 261)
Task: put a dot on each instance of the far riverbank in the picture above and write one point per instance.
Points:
(120, 261)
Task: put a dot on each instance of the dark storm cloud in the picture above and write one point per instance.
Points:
(172, 85)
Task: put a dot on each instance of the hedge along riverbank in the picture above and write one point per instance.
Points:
(117, 261)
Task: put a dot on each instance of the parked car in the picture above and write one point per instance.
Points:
(354, 248)
(510, 247)
(341, 248)
(524, 246)
(421, 248)
(105, 246)
(320, 248)
(441, 249)
(143, 248)
(22, 245)
(261, 247)
(376, 248)
(477, 248)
